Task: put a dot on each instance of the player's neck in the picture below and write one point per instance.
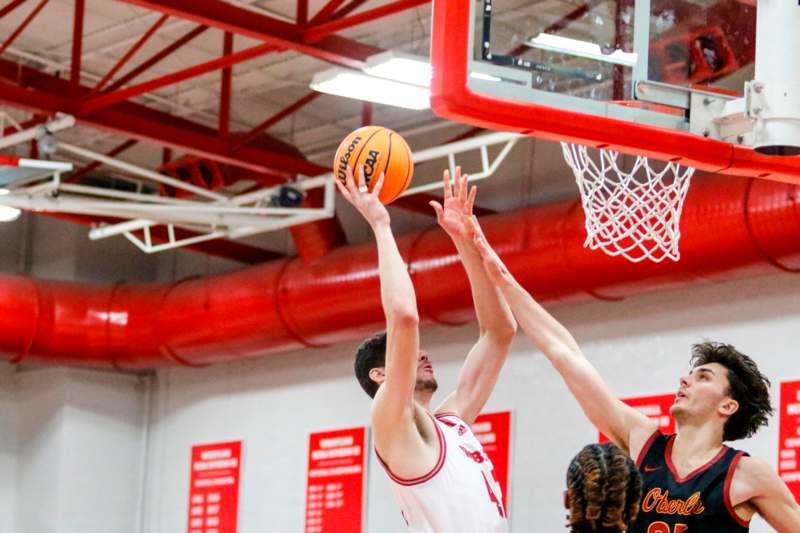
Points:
(423, 398)
(696, 442)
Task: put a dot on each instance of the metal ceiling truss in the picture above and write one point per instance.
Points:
(108, 105)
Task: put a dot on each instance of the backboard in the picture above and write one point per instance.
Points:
(644, 77)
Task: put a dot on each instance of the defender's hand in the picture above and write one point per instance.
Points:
(454, 216)
(366, 202)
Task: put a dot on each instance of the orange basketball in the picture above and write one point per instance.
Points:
(379, 150)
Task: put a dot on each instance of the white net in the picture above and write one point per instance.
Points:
(633, 213)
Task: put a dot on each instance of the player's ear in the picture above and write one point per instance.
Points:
(378, 374)
(728, 407)
(567, 500)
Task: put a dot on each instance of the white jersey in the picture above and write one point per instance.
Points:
(460, 494)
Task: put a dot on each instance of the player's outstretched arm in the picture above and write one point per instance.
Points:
(756, 482)
(624, 425)
(392, 408)
(497, 325)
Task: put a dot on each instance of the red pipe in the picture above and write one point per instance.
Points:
(732, 227)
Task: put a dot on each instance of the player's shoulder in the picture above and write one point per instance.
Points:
(756, 474)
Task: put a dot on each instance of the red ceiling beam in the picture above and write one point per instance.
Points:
(130, 53)
(32, 15)
(225, 88)
(349, 8)
(42, 92)
(327, 11)
(156, 58)
(227, 17)
(302, 12)
(77, 46)
(274, 119)
(108, 98)
(10, 7)
(320, 31)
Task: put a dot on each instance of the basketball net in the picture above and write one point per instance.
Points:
(633, 213)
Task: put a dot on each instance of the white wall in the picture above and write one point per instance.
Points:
(78, 445)
(641, 346)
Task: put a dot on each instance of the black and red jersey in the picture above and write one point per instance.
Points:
(699, 502)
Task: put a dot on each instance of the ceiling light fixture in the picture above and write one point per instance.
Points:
(354, 84)
(574, 47)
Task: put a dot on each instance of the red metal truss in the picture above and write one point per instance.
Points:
(274, 119)
(320, 31)
(150, 62)
(302, 12)
(108, 98)
(218, 14)
(225, 87)
(42, 92)
(130, 53)
(10, 7)
(16, 33)
(327, 11)
(77, 45)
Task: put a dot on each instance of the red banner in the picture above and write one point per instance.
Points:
(335, 483)
(493, 430)
(654, 407)
(214, 487)
(789, 436)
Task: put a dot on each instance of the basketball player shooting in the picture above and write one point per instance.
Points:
(692, 481)
(443, 479)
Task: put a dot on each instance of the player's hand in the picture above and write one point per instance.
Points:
(454, 216)
(495, 268)
(366, 202)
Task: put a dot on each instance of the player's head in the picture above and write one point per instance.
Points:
(371, 361)
(724, 386)
(604, 489)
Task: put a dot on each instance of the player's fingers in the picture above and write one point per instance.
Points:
(438, 208)
(448, 192)
(471, 200)
(376, 191)
(362, 181)
(350, 181)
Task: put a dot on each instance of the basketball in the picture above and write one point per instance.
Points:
(379, 150)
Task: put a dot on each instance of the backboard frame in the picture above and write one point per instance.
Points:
(457, 95)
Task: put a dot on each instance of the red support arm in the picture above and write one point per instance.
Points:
(302, 12)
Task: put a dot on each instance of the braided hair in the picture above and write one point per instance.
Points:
(604, 489)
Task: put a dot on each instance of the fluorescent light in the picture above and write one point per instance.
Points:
(353, 84)
(7, 214)
(574, 47)
(485, 77)
(400, 67)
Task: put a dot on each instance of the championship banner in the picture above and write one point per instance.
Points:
(335, 482)
(789, 436)
(654, 407)
(493, 431)
(214, 487)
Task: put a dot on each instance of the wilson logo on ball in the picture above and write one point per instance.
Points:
(378, 151)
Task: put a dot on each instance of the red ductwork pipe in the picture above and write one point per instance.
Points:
(732, 227)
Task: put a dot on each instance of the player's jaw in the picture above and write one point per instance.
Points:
(425, 374)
